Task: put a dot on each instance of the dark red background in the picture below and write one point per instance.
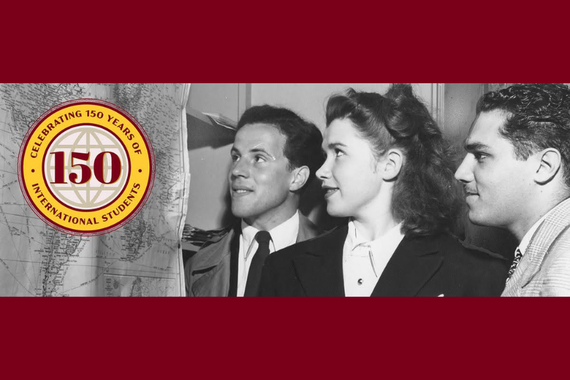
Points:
(295, 41)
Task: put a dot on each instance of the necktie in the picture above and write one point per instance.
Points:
(254, 276)
(516, 261)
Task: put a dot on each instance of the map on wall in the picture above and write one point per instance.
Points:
(143, 258)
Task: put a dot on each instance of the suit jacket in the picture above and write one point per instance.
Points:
(427, 266)
(544, 270)
(207, 273)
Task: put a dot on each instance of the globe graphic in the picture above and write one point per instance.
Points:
(95, 141)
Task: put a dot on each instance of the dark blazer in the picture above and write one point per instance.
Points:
(208, 272)
(426, 266)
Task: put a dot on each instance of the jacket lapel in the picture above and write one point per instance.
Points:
(319, 269)
(412, 265)
(211, 267)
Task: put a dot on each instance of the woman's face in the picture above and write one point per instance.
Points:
(350, 175)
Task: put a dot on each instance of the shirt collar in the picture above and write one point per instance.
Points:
(393, 237)
(282, 235)
(379, 251)
(523, 245)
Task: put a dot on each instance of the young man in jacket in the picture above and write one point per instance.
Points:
(274, 156)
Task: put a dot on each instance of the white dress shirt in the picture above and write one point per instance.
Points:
(363, 262)
(282, 236)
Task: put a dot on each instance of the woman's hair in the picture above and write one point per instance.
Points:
(426, 194)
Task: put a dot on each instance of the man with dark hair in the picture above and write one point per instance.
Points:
(274, 156)
(516, 176)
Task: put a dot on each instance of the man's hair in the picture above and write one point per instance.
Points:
(303, 139)
(426, 195)
(537, 117)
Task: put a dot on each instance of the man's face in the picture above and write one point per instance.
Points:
(497, 184)
(260, 176)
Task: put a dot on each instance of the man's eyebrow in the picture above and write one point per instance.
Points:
(475, 146)
(255, 150)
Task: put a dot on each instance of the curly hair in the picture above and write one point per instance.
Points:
(303, 138)
(537, 117)
(426, 196)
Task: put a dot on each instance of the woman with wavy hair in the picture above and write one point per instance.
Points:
(389, 172)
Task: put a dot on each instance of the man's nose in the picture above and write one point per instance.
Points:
(239, 168)
(464, 172)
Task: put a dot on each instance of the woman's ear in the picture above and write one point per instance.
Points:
(300, 178)
(391, 164)
(549, 162)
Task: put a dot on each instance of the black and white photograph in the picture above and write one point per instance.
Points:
(285, 189)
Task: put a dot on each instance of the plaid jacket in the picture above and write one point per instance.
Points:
(544, 270)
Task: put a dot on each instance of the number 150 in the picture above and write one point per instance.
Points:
(59, 160)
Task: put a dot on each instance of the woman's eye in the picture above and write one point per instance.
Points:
(235, 158)
(338, 153)
(260, 159)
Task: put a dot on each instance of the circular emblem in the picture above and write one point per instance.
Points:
(86, 167)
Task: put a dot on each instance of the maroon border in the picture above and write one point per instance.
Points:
(312, 42)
